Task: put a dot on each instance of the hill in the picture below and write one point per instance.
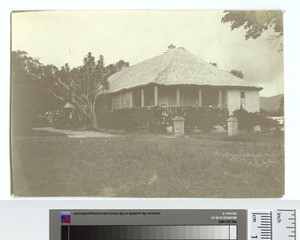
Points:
(270, 103)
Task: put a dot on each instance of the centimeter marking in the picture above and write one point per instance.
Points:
(260, 225)
(272, 225)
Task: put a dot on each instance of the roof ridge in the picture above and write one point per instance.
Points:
(149, 59)
(167, 67)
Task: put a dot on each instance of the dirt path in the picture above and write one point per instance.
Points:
(75, 134)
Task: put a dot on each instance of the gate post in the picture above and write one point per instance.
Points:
(232, 123)
(178, 126)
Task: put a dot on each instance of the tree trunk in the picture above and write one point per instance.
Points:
(90, 113)
(94, 121)
(80, 112)
(93, 117)
(81, 116)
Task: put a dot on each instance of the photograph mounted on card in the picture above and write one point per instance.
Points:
(147, 104)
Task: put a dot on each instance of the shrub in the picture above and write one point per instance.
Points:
(153, 119)
(131, 119)
(205, 118)
(247, 120)
(268, 124)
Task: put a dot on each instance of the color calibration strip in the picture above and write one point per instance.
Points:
(203, 232)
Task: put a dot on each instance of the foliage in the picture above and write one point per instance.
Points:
(205, 118)
(132, 119)
(38, 88)
(118, 66)
(171, 47)
(29, 97)
(274, 113)
(82, 85)
(268, 124)
(49, 78)
(281, 107)
(237, 73)
(152, 119)
(256, 22)
(246, 119)
(249, 120)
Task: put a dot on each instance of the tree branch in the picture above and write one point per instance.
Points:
(58, 97)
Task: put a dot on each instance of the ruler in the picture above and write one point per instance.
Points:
(277, 224)
(285, 225)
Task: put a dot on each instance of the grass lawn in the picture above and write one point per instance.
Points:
(148, 165)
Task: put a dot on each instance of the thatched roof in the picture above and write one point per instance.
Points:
(175, 67)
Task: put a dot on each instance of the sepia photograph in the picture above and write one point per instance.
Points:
(147, 104)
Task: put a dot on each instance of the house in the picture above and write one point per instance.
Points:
(178, 78)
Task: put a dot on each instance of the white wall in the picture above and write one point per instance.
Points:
(251, 100)
(234, 100)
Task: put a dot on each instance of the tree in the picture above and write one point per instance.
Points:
(29, 98)
(121, 64)
(49, 79)
(237, 73)
(82, 86)
(281, 106)
(256, 22)
(118, 66)
(24, 68)
(51, 87)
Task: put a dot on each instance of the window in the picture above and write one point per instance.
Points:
(243, 100)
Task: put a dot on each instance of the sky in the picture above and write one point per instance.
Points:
(59, 37)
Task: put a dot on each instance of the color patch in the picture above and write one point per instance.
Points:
(65, 217)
